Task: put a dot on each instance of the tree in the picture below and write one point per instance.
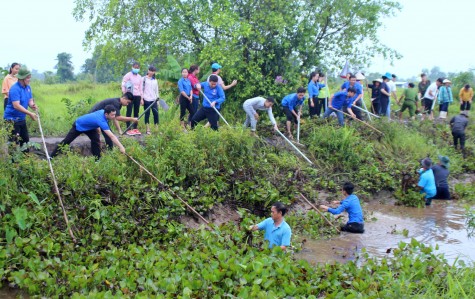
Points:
(64, 67)
(255, 40)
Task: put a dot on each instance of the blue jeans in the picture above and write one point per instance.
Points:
(339, 115)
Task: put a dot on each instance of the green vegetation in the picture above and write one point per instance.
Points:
(132, 242)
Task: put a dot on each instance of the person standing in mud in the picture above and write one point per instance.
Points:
(290, 104)
(258, 103)
(277, 231)
(441, 173)
(426, 182)
(351, 204)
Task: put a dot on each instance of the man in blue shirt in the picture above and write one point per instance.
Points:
(339, 101)
(214, 97)
(90, 124)
(20, 98)
(290, 104)
(427, 181)
(352, 205)
(277, 231)
(358, 93)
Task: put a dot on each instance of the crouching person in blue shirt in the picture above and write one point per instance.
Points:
(426, 182)
(277, 231)
(89, 124)
(351, 204)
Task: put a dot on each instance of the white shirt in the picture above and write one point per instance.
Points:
(392, 86)
(257, 103)
(433, 89)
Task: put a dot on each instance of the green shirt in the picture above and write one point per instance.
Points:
(410, 94)
(423, 87)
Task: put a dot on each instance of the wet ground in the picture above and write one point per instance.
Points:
(442, 223)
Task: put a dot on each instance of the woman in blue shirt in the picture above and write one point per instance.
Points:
(186, 97)
(313, 92)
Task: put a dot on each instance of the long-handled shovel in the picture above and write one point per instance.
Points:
(295, 148)
(170, 190)
(215, 108)
(319, 212)
(140, 116)
(364, 110)
(56, 189)
(359, 121)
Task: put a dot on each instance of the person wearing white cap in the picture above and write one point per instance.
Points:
(444, 98)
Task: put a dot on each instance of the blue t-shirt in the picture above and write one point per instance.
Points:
(279, 236)
(184, 85)
(358, 87)
(92, 121)
(352, 206)
(427, 182)
(213, 94)
(313, 89)
(291, 101)
(21, 94)
(341, 99)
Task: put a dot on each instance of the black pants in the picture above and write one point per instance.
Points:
(383, 106)
(442, 193)
(5, 102)
(73, 134)
(108, 140)
(185, 104)
(459, 136)
(206, 113)
(290, 116)
(353, 227)
(135, 105)
(19, 134)
(465, 106)
(313, 110)
(320, 106)
(154, 109)
(195, 104)
(427, 105)
(376, 107)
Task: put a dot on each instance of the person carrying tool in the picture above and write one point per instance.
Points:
(341, 99)
(213, 98)
(351, 204)
(352, 82)
(126, 99)
(277, 231)
(88, 124)
(258, 103)
(290, 103)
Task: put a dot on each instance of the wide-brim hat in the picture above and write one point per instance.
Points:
(446, 81)
(359, 76)
(444, 160)
(388, 75)
(378, 80)
(23, 73)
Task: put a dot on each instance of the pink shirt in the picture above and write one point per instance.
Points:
(8, 81)
(150, 89)
(136, 80)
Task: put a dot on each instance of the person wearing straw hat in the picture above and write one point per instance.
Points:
(351, 204)
(277, 231)
(441, 173)
(19, 99)
(375, 95)
(458, 124)
(426, 182)
(444, 98)
(88, 125)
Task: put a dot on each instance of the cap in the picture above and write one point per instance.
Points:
(216, 66)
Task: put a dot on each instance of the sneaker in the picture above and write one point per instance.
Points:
(137, 132)
(130, 133)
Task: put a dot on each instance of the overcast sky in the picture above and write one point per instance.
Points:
(426, 32)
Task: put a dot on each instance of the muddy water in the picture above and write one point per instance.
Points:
(443, 223)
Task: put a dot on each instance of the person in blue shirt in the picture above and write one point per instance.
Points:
(186, 97)
(16, 110)
(90, 124)
(313, 91)
(213, 98)
(351, 204)
(358, 93)
(277, 231)
(290, 103)
(340, 100)
(427, 181)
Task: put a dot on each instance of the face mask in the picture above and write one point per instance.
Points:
(135, 71)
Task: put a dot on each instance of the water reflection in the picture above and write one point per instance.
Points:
(442, 223)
